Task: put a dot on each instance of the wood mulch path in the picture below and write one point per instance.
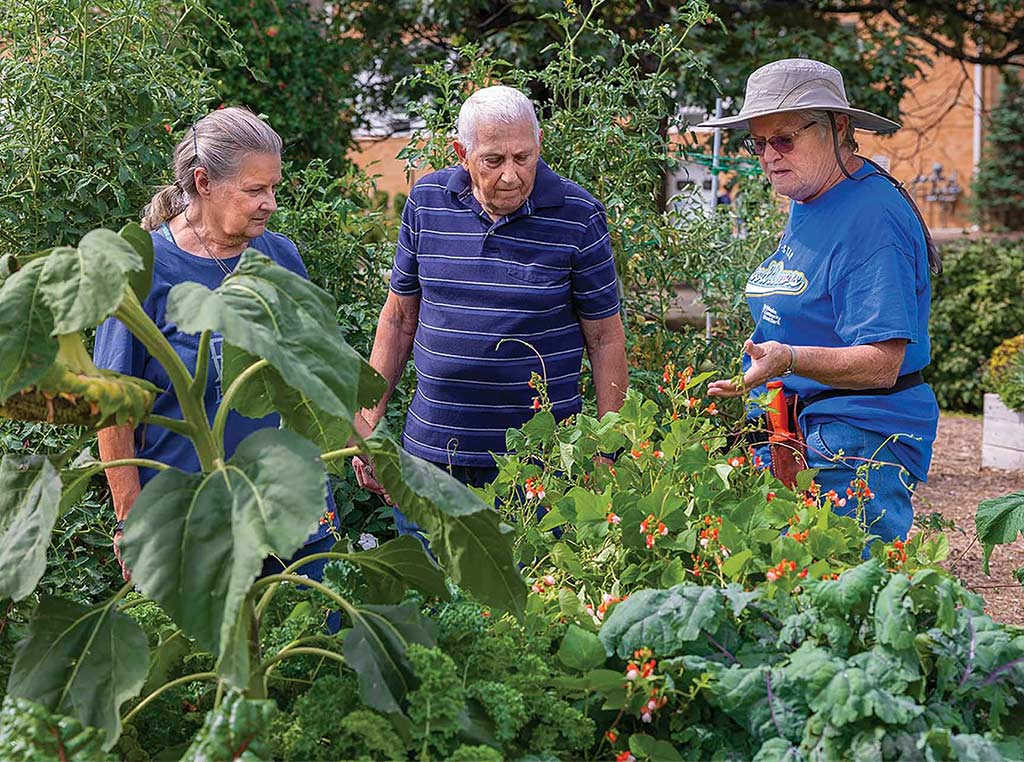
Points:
(956, 484)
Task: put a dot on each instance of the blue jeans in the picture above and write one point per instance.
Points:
(889, 513)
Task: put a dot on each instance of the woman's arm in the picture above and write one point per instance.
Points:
(867, 366)
(117, 442)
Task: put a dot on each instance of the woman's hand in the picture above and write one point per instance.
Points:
(767, 361)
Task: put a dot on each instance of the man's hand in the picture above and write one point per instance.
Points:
(366, 477)
(125, 573)
(767, 361)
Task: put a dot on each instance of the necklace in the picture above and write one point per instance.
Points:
(206, 248)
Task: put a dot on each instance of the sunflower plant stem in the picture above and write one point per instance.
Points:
(261, 607)
(300, 651)
(345, 452)
(130, 313)
(220, 421)
(195, 677)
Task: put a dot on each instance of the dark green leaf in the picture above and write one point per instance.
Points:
(266, 391)
(140, 280)
(466, 535)
(82, 662)
(540, 427)
(894, 620)
(375, 649)
(854, 588)
(29, 499)
(402, 562)
(27, 345)
(581, 650)
(195, 542)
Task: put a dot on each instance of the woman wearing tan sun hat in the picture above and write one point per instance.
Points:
(841, 307)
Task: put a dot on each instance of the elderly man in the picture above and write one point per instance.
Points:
(499, 247)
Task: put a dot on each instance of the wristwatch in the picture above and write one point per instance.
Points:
(119, 526)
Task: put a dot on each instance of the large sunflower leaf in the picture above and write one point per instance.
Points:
(82, 662)
(400, 563)
(141, 280)
(269, 311)
(196, 542)
(83, 286)
(465, 533)
(27, 346)
(29, 500)
(375, 649)
(265, 392)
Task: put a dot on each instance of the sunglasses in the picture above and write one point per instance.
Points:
(781, 143)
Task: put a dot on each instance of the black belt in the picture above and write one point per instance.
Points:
(907, 381)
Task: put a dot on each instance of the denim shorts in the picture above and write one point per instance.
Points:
(837, 449)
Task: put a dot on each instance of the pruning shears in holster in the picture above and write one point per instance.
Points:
(785, 440)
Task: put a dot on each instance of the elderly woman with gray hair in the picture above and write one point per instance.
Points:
(841, 307)
(226, 169)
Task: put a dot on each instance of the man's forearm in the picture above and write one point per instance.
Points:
(117, 443)
(611, 378)
(392, 346)
(606, 348)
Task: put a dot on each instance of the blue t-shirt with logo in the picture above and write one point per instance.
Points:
(852, 269)
(117, 349)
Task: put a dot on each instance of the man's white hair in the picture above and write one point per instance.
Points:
(501, 104)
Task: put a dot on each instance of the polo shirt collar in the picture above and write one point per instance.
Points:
(547, 191)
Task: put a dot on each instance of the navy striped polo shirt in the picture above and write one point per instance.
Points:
(530, 276)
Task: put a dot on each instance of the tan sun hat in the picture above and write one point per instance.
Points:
(799, 84)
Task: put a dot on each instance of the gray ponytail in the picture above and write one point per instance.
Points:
(219, 142)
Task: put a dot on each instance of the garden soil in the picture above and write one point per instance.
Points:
(956, 484)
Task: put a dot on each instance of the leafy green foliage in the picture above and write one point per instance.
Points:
(912, 652)
(996, 192)
(121, 74)
(299, 67)
(235, 730)
(975, 305)
(389, 568)
(28, 732)
(435, 705)
(376, 648)
(79, 661)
